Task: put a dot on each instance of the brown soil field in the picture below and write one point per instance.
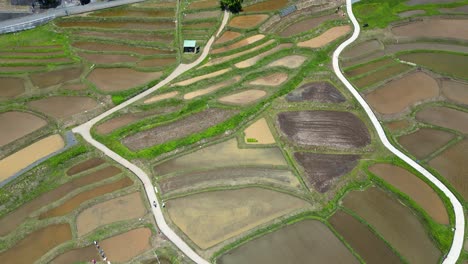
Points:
(274, 79)
(118, 209)
(15, 125)
(395, 48)
(362, 48)
(368, 245)
(211, 88)
(36, 60)
(323, 92)
(306, 25)
(202, 77)
(31, 54)
(199, 25)
(134, 13)
(222, 155)
(85, 165)
(260, 131)
(178, 129)
(75, 86)
(63, 106)
(455, 10)
(243, 98)
(157, 62)
(252, 61)
(74, 202)
(228, 176)
(411, 13)
(115, 123)
(167, 24)
(308, 241)
(381, 75)
(403, 93)
(434, 28)
(202, 15)
(324, 128)
(453, 166)
(369, 67)
(157, 4)
(43, 80)
(149, 36)
(326, 37)
(28, 155)
(21, 68)
(161, 97)
(124, 247)
(227, 36)
(9, 222)
(452, 64)
(444, 117)
(420, 2)
(455, 91)
(291, 62)
(417, 142)
(107, 58)
(237, 54)
(36, 244)
(203, 4)
(97, 46)
(265, 6)
(119, 79)
(396, 223)
(212, 217)
(84, 255)
(415, 188)
(239, 44)
(321, 171)
(248, 21)
(398, 125)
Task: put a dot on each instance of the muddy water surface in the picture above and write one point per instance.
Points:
(11, 87)
(425, 141)
(306, 25)
(452, 64)
(15, 124)
(444, 117)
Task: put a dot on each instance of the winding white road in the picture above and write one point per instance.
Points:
(457, 243)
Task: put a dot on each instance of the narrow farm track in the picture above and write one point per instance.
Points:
(457, 243)
(84, 130)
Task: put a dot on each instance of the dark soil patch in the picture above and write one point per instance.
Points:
(306, 25)
(21, 69)
(85, 165)
(444, 117)
(324, 128)
(150, 36)
(63, 106)
(202, 15)
(323, 92)
(107, 58)
(119, 25)
(97, 46)
(75, 86)
(411, 13)
(425, 141)
(265, 6)
(322, 170)
(43, 80)
(157, 62)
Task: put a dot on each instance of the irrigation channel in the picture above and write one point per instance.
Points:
(458, 238)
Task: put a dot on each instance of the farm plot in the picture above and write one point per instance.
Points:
(324, 128)
(124, 247)
(106, 24)
(259, 133)
(212, 217)
(296, 243)
(398, 125)
(203, 4)
(361, 49)
(11, 87)
(160, 37)
(252, 61)
(416, 142)
(43, 80)
(455, 91)
(178, 129)
(421, 2)
(227, 36)
(446, 63)
(157, 62)
(107, 58)
(274, 79)
(224, 59)
(243, 98)
(323, 92)
(434, 28)
(266, 6)
(223, 155)
(212, 88)
(369, 67)
(323, 170)
(381, 75)
(85, 165)
(161, 97)
(134, 12)
(247, 21)
(395, 222)
(17, 124)
(306, 25)
(202, 15)
(202, 77)
(119, 79)
(411, 13)
(400, 94)
(239, 44)
(291, 62)
(99, 46)
(444, 117)
(77, 255)
(414, 187)
(62, 107)
(326, 37)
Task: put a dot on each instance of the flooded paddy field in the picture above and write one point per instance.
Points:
(124, 247)
(239, 44)
(359, 70)
(324, 128)
(260, 131)
(132, 12)
(43, 80)
(296, 243)
(326, 37)
(253, 60)
(323, 170)
(248, 21)
(15, 125)
(212, 217)
(395, 222)
(202, 15)
(119, 79)
(362, 48)
(323, 92)
(381, 75)
(157, 62)
(416, 142)
(368, 245)
(306, 25)
(107, 58)
(165, 38)
(444, 117)
(160, 25)
(291, 62)
(455, 91)
(85, 254)
(452, 64)
(434, 28)
(63, 106)
(243, 98)
(415, 188)
(85, 165)
(274, 79)
(266, 6)
(99, 46)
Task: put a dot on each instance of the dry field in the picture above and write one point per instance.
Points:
(273, 79)
(248, 21)
(211, 88)
(252, 61)
(291, 62)
(17, 124)
(124, 247)
(434, 28)
(202, 77)
(11, 87)
(227, 36)
(63, 106)
(444, 117)
(243, 98)
(326, 37)
(201, 4)
(43, 80)
(119, 79)
(417, 142)
(85, 165)
(306, 25)
(260, 131)
(455, 91)
(161, 97)
(323, 92)
(239, 44)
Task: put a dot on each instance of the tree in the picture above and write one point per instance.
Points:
(234, 6)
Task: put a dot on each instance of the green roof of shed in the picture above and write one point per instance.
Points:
(190, 43)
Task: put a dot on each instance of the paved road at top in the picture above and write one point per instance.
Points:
(85, 128)
(458, 238)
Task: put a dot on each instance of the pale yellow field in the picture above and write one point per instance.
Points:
(244, 97)
(160, 97)
(291, 62)
(326, 37)
(212, 88)
(252, 61)
(274, 79)
(203, 77)
(259, 131)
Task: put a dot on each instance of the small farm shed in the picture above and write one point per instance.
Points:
(190, 46)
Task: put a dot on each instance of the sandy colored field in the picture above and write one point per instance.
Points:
(222, 155)
(202, 15)
(381, 75)
(85, 165)
(398, 125)
(161, 97)
(244, 97)
(444, 117)
(227, 36)
(252, 61)
(202, 77)
(268, 5)
(323, 92)
(396, 223)
(306, 25)
(455, 91)
(274, 79)
(402, 93)
(124, 247)
(415, 188)
(166, 24)
(453, 165)
(248, 21)
(425, 141)
(369, 67)
(361, 49)
(328, 36)
(291, 62)
(260, 131)
(43, 80)
(118, 209)
(98, 46)
(211, 88)
(148, 36)
(63, 106)
(157, 62)
(107, 58)
(212, 217)
(24, 157)
(11, 87)
(239, 44)
(203, 4)
(453, 64)
(15, 125)
(434, 28)
(118, 79)
(238, 54)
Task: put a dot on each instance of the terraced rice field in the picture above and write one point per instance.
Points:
(247, 21)
(239, 44)
(202, 77)
(381, 75)
(444, 117)
(323, 92)
(43, 80)
(16, 125)
(228, 36)
(243, 98)
(119, 79)
(326, 37)
(306, 25)
(446, 63)
(416, 142)
(368, 67)
(118, 248)
(77, 255)
(98, 46)
(455, 91)
(260, 131)
(224, 59)
(84, 166)
(434, 28)
(291, 62)
(212, 88)
(62, 107)
(398, 125)
(161, 97)
(274, 79)
(252, 61)
(11, 87)
(265, 6)
(361, 49)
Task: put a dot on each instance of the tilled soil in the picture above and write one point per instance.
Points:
(417, 142)
(118, 79)
(323, 92)
(455, 91)
(228, 36)
(434, 28)
(63, 106)
(249, 21)
(306, 25)
(85, 165)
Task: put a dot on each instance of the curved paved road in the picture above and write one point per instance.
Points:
(458, 238)
(85, 128)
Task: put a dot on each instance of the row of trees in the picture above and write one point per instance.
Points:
(235, 6)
